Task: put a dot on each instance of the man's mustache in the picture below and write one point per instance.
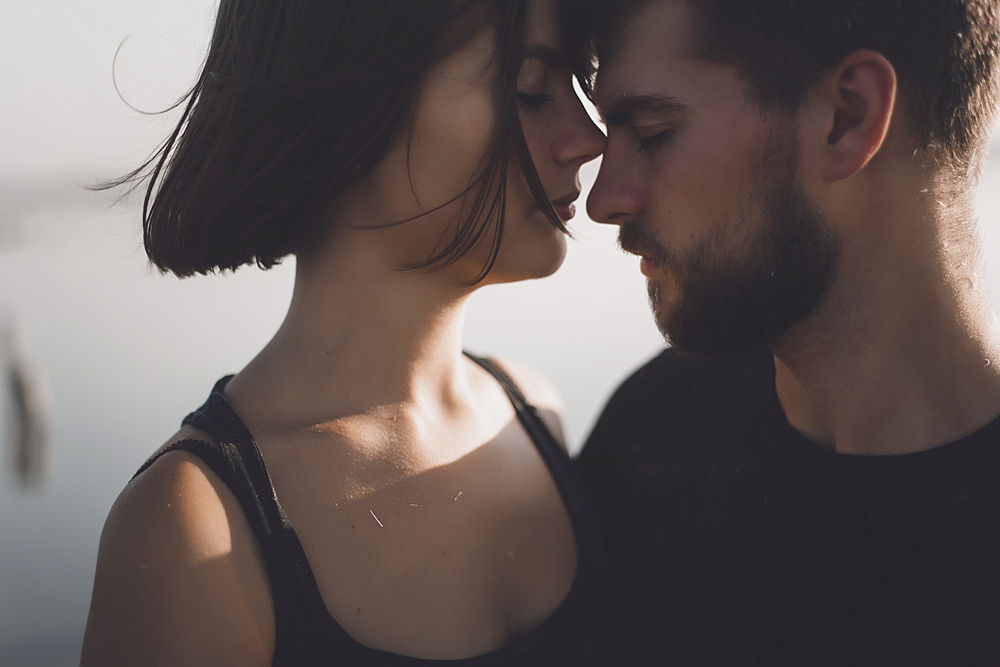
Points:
(635, 237)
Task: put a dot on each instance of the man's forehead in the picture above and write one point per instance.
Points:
(640, 49)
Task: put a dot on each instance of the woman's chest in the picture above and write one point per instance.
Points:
(451, 561)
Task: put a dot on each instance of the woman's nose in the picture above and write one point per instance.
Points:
(579, 140)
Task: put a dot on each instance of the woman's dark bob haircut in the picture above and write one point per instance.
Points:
(297, 101)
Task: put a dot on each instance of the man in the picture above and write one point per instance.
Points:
(811, 475)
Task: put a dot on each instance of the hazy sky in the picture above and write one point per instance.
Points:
(60, 112)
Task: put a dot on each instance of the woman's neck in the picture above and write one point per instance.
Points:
(361, 337)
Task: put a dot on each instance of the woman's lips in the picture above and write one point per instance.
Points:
(564, 211)
(564, 207)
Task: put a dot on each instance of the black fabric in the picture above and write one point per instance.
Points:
(749, 545)
(591, 627)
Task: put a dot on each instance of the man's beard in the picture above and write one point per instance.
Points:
(752, 278)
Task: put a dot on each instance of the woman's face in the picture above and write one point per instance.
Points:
(453, 126)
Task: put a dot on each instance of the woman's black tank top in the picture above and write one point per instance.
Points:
(589, 627)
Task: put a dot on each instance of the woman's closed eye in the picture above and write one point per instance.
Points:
(534, 100)
(534, 80)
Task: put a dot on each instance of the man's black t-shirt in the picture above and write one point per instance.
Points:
(748, 544)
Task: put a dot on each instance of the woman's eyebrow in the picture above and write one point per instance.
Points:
(550, 57)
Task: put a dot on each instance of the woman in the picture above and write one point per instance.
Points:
(397, 501)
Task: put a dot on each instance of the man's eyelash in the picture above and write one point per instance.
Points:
(534, 101)
(646, 143)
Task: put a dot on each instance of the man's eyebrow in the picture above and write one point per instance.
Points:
(628, 105)
(550, 57)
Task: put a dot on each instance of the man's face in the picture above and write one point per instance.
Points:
(706, 189)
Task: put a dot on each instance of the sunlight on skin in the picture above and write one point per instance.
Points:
(82, 270)
(375, 447)
(208, 532)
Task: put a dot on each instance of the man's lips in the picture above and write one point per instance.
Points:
(648, 266)
(651, 258)
(635, 238)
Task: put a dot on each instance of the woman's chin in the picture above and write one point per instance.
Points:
(539, 259)
(555, 262)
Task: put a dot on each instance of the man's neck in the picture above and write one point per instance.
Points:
(904, 354)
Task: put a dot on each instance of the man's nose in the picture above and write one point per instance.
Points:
(615, 198)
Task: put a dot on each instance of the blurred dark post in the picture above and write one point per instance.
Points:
(27, 411)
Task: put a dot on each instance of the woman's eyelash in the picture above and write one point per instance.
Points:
(534, 101)
(651, 141)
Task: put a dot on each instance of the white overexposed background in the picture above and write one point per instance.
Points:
(127, 352)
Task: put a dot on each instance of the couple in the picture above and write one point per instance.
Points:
(809, 476)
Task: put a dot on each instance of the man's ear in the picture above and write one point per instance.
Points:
(858, 98)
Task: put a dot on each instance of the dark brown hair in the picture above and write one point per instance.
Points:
(945, 53)
(298, 100)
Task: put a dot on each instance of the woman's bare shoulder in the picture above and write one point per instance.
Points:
(179, 576)
(539, 392)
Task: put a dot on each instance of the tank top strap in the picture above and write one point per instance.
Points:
(236, 459)
(293, 583)
(228, 464)
(245, 467)
(527, 414)
(509, 386)
(207, 452)
(554, 455)
(306, 633)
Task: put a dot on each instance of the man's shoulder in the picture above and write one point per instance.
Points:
(671, 382)
(673, 434)
(670, 407)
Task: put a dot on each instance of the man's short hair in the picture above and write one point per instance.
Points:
(945, 53)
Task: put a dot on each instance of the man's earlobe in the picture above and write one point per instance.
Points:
(862, 89)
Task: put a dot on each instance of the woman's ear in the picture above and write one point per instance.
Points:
(856, 99)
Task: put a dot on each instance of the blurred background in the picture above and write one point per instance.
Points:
(110, 355)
